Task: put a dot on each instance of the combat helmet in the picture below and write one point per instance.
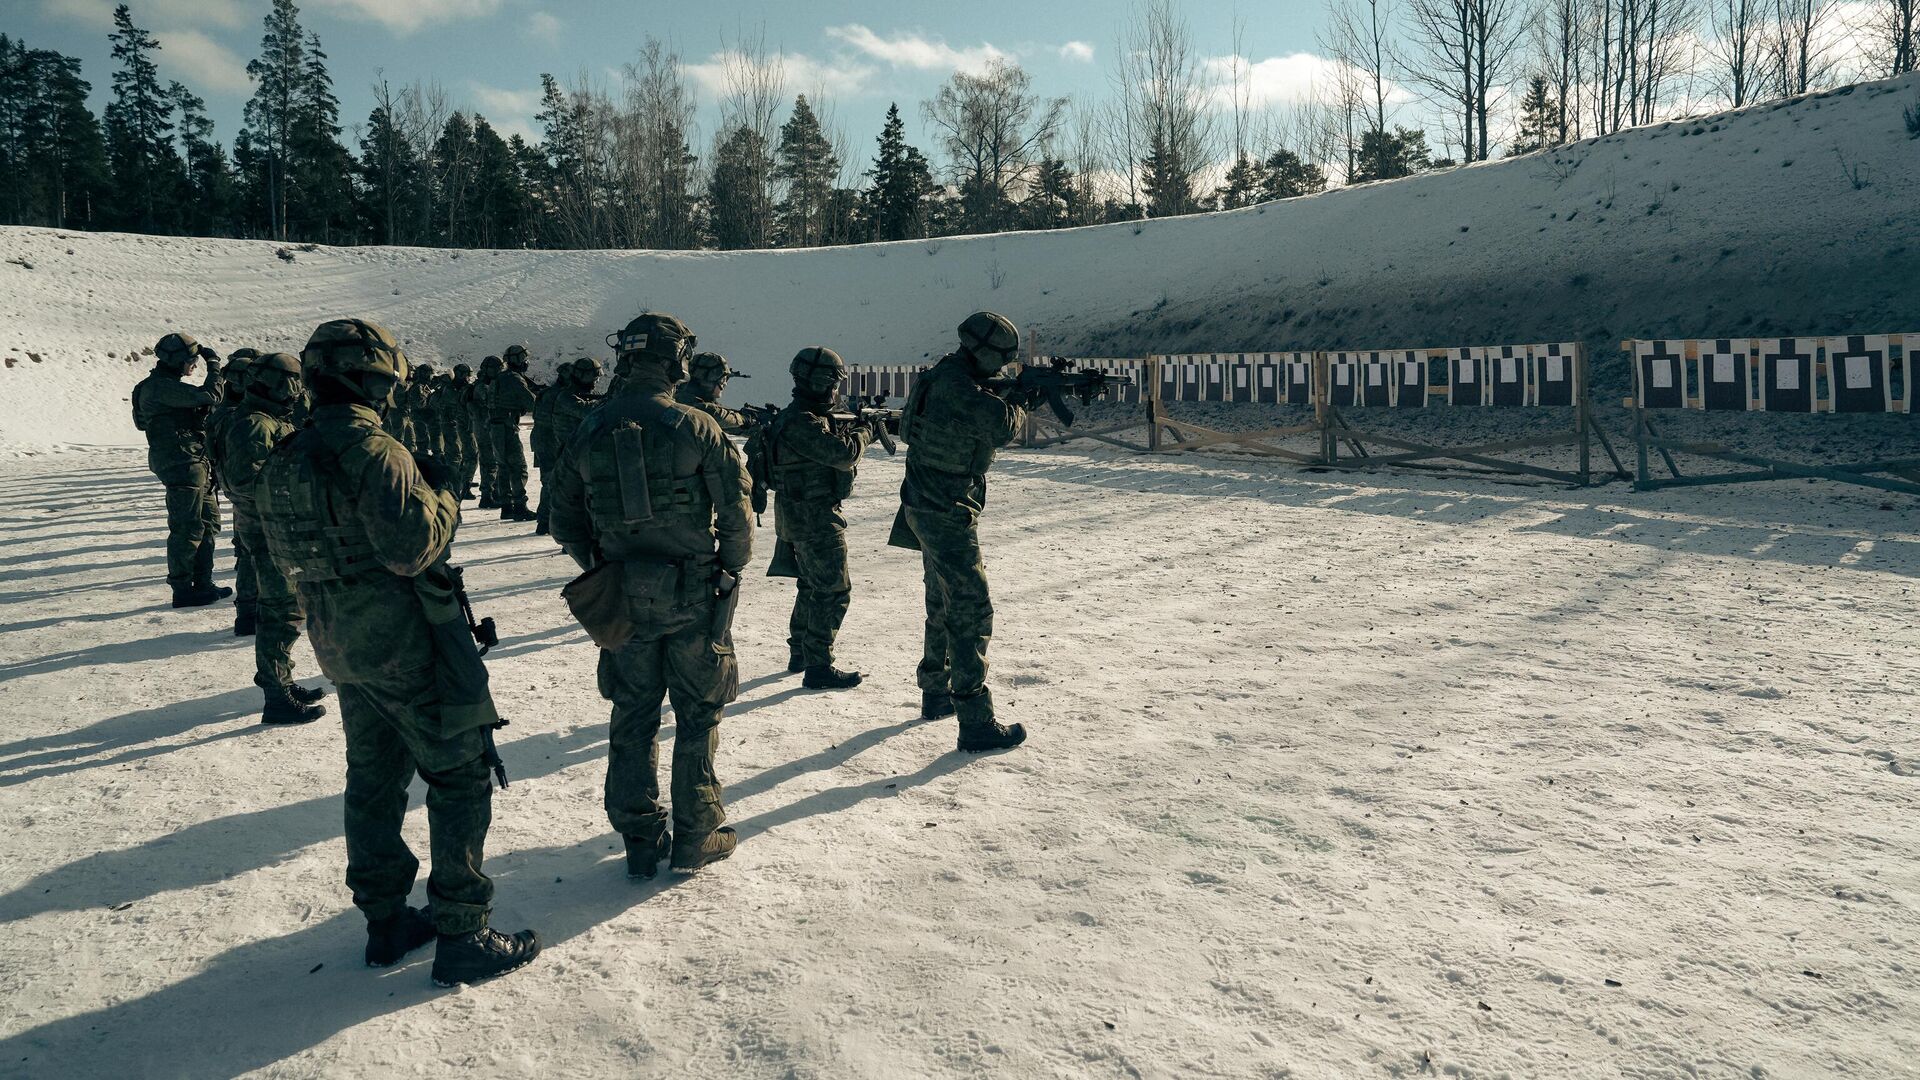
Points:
(462, 371)
(176, 351)
(586, 365)
(276, 377)
(490, 366)
(708, 369)
(817, 372)
(991, 340)
(422, 372)
(653, 334)
(516, 358)
(360, 354)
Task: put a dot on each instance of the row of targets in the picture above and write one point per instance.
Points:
(1481, 375)
(1859, 373)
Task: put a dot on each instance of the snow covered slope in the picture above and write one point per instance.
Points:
(1796, 217)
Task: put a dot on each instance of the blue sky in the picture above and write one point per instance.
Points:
(489, 54)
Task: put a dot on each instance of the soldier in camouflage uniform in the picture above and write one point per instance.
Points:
(707, 375)
(952, 424)
(556, 416)
(810, 470)
(174, 417)
(510, 399)
(233, 406)
(655, 493)
(417, 397)
(273, 385)
(363, 535)
(479, 410)
(461, 442)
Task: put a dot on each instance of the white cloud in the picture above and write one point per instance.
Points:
(406, 16)
(498, 101)
(202, 63)
(227, 13)
(544, 26)
(91, 12)
(803, 73)
(916, 51)
(1076, 50)
(1279, 80)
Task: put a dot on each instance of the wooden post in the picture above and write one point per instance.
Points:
(1582, 418)
(1152, 392)
(1328, 449)
(1640, 441)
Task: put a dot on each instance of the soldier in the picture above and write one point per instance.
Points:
(461, 441)
(953, 424)
(707, 375)
(273, 386)
(556, 416)
(510, 399)
(417, 395)
(810, 469)
(650, 497)
(232, 406)
(174, 417)
(363, 535)
(479, 410)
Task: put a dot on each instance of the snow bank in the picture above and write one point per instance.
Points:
(1744, 223)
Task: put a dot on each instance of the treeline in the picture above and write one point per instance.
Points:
(619, 167)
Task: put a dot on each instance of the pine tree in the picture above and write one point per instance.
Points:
(1167, 179)
(737, 212)
(895, 207)
(51, 148)
(1390, 155)
(147, 170)
(271, 113)
(453, 161)
(1243, 184)
(319, 169)
(1284, 175)
(211, 195)
(1539, 118)
(805, 162)
(1053, 197)
(392, 178)
(500, 202)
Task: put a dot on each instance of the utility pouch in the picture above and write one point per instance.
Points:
(459, 675)
(903, 535)
(598, 599)
(630, 457)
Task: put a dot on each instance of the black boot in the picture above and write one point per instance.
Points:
(691, 853)
(645, 853)
(517, 511)
(200, 595)
(935, 704)
(392, 938)
(487, 501)
(829, 677)
(244, 621)
(283, 709)
(305, 695)
(795, 662)
(481, 955)
(979, 730)
(542, 530)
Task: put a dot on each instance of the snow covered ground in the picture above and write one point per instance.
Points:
(1329, 776)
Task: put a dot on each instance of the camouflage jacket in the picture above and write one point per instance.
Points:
(174, 417)
(245, 443)
(732, 421)
(509, 399)
(952, 426)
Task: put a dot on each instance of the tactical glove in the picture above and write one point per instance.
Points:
(438, 474)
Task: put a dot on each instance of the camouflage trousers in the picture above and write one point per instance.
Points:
(276, 605)
(543, 513)
(672, 658)
(246, 585)
(824, 592)
(489, 465)
(193, 520)
(390, 738)
(510, 461)
(953, 656)
(466, 454)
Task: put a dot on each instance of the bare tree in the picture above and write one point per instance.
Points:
(1559, 34)
(656, 132)
(1172, 141)
(755, 98)
(993, 127)
(1738, 36)
(1799, 52)
(1359, 36)
(1893, 36)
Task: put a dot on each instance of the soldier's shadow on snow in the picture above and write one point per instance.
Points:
(54, 755)
(275, 998)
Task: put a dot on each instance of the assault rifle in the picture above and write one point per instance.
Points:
(866, 413)
(1051, 379)
(761, 415)
(486, 636)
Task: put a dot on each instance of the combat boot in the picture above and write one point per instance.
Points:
(979, 731)
(481, 955)
(542, 530)
(795, 662)
(691, 853)
(517, 511)
(305, 695)
(935, 704)
(281, 708)
(392, 938)
(200, 595)
(828, 677)
(488, 502)
(244, 622)
(644, 854)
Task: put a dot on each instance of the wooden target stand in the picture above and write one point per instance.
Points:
(1482, 458)
(1334, 434)
(1649, 439)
